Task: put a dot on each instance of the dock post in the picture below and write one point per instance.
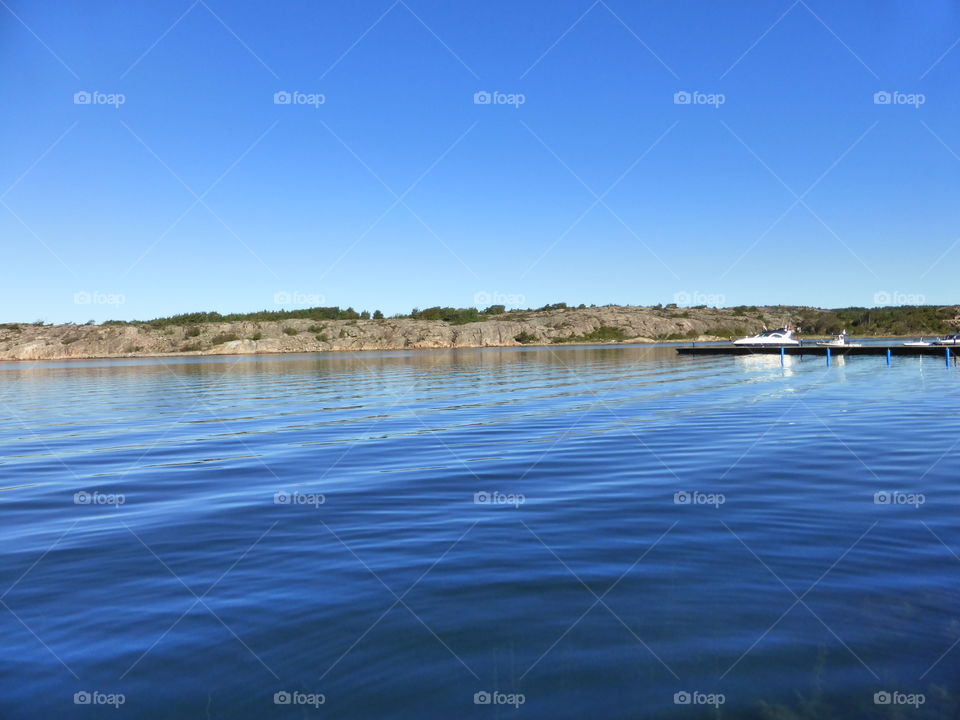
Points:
(828, 357)
(948, 357)
(888, 357)
(782, 353)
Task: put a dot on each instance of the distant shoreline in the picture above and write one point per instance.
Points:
(200, 354)
(192, 336)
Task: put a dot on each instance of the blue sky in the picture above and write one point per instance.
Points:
(783, 181)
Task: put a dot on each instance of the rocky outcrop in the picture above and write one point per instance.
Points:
(571, 325)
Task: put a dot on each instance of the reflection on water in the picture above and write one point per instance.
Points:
(764, 363)
(400, 531)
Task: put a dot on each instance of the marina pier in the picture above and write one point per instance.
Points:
(941, 351)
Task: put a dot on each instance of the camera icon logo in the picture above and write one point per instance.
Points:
(882, 698)
(81, 98)
(482, 698)
(282, 698)
(481, 498)
(682, 97)
(882, 97)
(82, 698)
(282, 97)
(881, 498)
(482, 97)
(681, 498)
(682, 698)
(282, 498)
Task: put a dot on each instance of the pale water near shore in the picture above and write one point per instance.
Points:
(646, 525)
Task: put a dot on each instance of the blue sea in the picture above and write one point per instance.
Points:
(607, 532)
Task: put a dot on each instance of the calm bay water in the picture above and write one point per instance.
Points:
(576, 531)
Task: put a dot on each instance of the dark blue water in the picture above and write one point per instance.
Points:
(561, 532)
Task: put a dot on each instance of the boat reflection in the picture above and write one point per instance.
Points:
(762, 361)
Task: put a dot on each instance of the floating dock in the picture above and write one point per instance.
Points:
(941, 351)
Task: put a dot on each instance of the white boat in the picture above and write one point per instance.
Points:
(841, 340)
(919, 343)
(769, 338)
(953, 339)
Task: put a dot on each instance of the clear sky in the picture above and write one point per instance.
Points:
(182, 185)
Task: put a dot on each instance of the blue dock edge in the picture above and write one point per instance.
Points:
(887, 351)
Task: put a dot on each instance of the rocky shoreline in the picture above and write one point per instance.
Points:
(588, 325)
(608, 324)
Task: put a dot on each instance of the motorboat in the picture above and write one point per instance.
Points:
(953, 339)
(769, 338)
(842, 340)
(919, 343)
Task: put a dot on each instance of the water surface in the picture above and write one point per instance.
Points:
(588, 530)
